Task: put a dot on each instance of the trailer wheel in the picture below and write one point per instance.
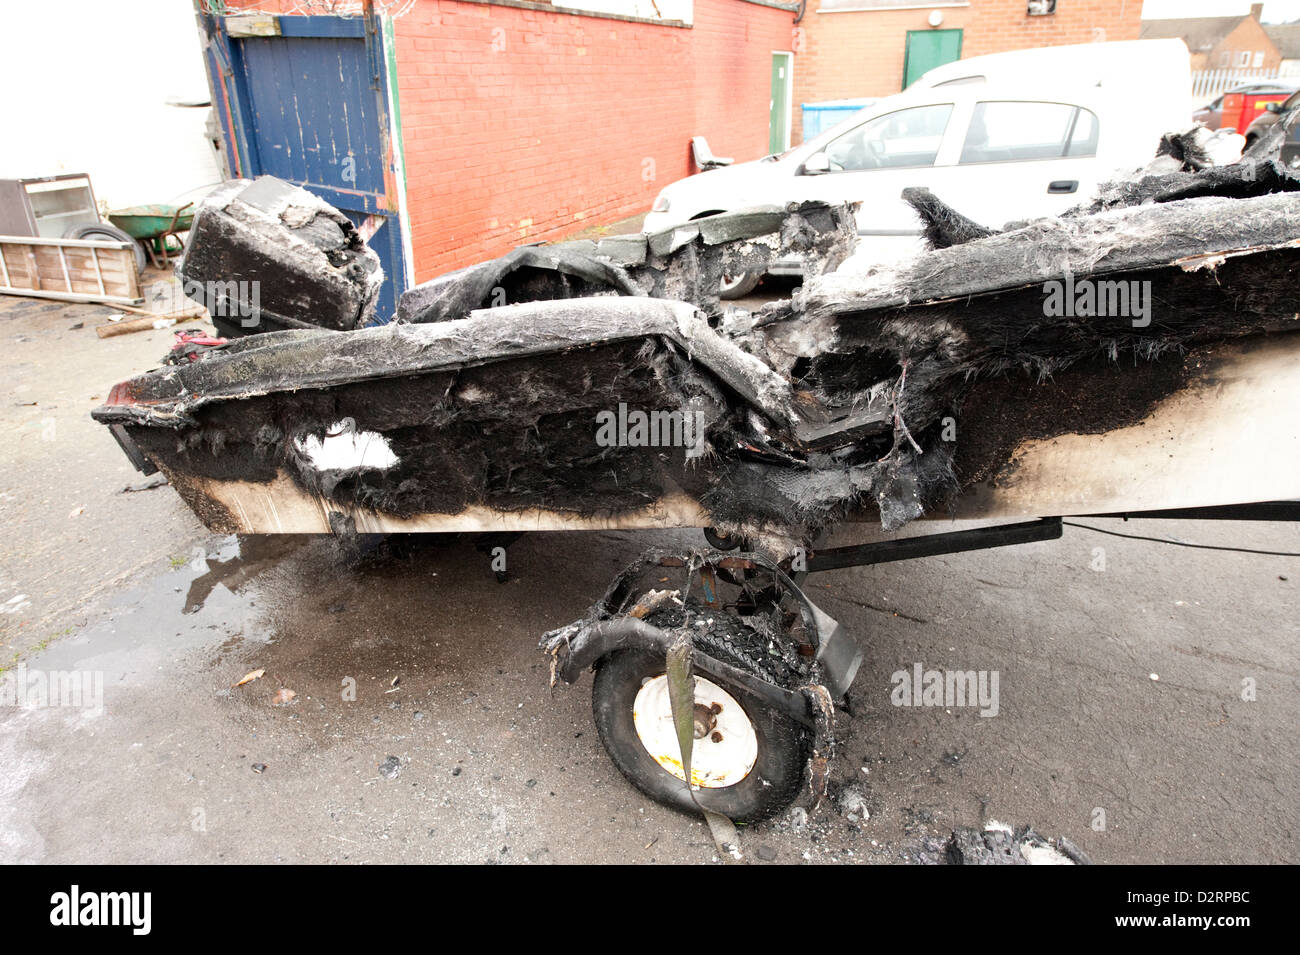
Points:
(748, 760)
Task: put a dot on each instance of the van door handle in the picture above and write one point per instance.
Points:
(1062, 187)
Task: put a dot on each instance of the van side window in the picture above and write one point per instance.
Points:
(1009, 131)
(1083, 141)
(908, 137)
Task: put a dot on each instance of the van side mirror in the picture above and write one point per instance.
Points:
(816, 165)
(1273, 107)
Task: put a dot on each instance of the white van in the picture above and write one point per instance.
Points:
(998, 137)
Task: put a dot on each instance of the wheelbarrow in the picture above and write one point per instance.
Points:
(152, 225)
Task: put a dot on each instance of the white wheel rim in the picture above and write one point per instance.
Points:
(722, 758)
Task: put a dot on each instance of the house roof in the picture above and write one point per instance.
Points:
(1286, 37)
(1199, 33)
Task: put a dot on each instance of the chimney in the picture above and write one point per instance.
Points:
(1256, 11)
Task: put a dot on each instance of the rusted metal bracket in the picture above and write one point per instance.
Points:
(680, 661)
(823, 754)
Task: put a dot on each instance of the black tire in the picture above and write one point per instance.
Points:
(106, 232)
(731, 287)
(783, 744)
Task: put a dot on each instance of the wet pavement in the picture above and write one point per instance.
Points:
(421, 727)
(483, 764)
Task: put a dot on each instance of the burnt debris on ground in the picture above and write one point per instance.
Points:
(999, 844)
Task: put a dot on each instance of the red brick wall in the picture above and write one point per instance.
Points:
(1004, 25)
(847, 55)
(570, 121)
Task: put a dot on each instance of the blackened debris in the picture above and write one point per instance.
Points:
(685, 263)
(1202, 162)
(266, 255)
(944, 226)
(1189, 149)
(998, 844)
(1244, 180)
(1272, 144)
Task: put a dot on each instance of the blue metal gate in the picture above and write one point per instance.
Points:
(311, 100)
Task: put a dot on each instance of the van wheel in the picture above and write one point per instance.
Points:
(736, 286)
(732, 286)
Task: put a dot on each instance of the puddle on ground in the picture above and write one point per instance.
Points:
(223, 596)
(212, 600)
(234, 563)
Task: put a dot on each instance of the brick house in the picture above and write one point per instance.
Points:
(858, 48)
(502, 122)
(1286, 37)
(1220, 43)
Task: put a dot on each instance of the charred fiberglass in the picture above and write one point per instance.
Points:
(884, 389)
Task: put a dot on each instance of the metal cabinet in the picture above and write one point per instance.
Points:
(46, 206)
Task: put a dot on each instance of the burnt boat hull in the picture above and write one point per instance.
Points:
(1221, 431)
(1128, 358)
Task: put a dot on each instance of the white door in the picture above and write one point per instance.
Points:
(1022, 160)
(872, 164)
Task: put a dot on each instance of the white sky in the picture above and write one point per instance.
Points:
(88, 86)
(1275, 11)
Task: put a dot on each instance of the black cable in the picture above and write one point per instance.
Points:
(1166, 540)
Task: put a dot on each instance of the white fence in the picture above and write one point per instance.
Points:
(1208, 84)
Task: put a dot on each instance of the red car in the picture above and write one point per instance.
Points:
(1238, 108)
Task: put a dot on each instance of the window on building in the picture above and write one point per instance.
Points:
(1258, 61)
(1007, 132)
(905, 138)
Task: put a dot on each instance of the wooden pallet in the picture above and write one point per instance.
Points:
(73, 270)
